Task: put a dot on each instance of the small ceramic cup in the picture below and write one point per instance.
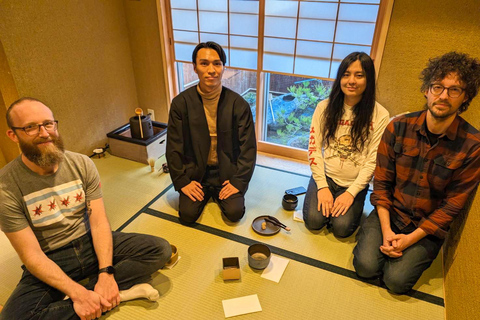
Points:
(258, 256)
(289, 202)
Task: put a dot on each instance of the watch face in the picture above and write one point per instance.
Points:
(110, 270)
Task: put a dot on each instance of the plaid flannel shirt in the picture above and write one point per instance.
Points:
(423, 184)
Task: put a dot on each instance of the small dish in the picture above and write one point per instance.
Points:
(270, 230)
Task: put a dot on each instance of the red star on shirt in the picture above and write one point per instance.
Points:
(79, 197)
(52, 205)
(66, 202)
(38, 211)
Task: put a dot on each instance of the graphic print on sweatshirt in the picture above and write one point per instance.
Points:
(343, 149)
(51, 205)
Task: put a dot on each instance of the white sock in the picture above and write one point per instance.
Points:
(141, 290)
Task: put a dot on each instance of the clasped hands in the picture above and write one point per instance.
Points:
(90, 304)
(194, 190)
(394, 244)
(333, 208)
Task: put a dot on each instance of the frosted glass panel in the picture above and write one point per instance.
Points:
(221, 39)
(244, 6)
(214, 22)
(355, 32)
(243, 58)
(244, 24)
(312, 67)
(320, 30)
(281, 8)
(183, 52)
(183, 4)
(279, 45)
(280, 27)
(340, 51)
(279, 63)
(243, 42)
(358, 12)
(318, 10)
(334, 69)
(212, 5)
(184, 36)
(314, 49)
(184, 20)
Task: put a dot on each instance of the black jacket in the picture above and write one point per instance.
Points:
(188, 139)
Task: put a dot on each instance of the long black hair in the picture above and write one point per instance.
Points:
(362, 111)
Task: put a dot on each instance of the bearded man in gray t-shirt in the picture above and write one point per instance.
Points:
(51, 210)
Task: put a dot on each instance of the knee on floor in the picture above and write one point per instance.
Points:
(365, 268)
(343, 231)
(313, 223)
(235, 214)
(397, 283)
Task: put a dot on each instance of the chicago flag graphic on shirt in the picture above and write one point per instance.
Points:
(52, 205)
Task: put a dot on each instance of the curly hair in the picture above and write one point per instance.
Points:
(467, 69)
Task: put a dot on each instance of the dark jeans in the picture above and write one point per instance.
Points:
(342, 226)
(135, 258)
(233, 207)
(399, 274)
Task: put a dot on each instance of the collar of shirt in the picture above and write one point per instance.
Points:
(451, 132)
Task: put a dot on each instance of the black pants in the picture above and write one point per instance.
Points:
(233, 207)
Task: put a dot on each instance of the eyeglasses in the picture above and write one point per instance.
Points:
(34, 129)
(453, 92)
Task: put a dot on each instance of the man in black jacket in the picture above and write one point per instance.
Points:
(211, 145)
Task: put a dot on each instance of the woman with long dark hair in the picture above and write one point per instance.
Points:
(344, 136)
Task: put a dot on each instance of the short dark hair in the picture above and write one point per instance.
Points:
(467, 69)
(9, 110)
(210, 45)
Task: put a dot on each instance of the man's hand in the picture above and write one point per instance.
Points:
(400, 242)
(194, 191)
(325, 201)
(227, 190)
(389, 244)
(88, 304)
(107, 287)
(342, 204)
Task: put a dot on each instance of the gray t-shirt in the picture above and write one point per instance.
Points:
(54, 206)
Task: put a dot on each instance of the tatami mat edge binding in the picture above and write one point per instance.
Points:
(285, 253)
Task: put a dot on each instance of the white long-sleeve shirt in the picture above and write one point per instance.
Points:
(339, 161)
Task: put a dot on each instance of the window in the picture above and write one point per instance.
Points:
(282, 55)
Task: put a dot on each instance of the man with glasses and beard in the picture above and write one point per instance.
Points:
(51, 210)
(428, 163)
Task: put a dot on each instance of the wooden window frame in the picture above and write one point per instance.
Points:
(171, 77)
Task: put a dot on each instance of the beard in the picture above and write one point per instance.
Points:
(440, 115)
(46, 156)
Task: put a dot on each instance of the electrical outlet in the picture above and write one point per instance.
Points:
(151, 113)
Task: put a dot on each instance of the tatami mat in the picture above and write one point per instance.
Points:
(128, 186)
(10, 269)
(264, 197)
(194, 288)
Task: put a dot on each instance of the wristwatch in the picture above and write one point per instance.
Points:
(109, 270)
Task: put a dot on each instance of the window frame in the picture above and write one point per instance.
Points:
(171, 76)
